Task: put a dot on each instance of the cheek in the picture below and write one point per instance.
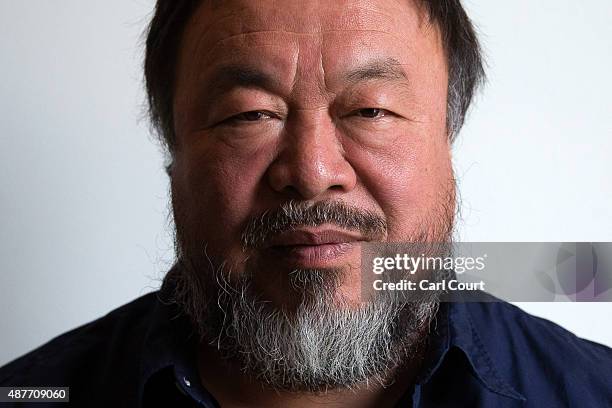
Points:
(408, 182)
(216, 187)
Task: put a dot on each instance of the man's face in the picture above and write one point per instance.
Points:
(340, 102)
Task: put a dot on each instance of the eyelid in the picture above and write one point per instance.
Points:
(263, 112)
(384, 112)
(235, 118)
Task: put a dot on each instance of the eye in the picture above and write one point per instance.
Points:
(250, 116)
(371, 113)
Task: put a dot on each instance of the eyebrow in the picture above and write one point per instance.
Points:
(388, 68)
(227, 77)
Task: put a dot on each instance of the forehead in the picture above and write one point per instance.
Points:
(332, 33)
(230, 17)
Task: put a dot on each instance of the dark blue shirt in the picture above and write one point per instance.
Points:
(486, 354)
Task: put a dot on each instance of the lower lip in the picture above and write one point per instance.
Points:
(312, 256)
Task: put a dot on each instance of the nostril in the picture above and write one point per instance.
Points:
(291, 192)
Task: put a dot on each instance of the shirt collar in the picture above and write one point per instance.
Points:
(171, 342)
(453, 328)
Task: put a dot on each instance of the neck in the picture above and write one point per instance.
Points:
(232, 387)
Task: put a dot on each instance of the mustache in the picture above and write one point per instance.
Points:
(293, 214)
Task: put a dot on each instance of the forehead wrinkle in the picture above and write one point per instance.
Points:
(382, 68)
(238, 19)
(324, 85)
(302, 34)
(307, 82)
(195, 23)
(220, 43)
(242, 29)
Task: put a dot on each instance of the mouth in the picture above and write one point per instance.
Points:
(313, 248)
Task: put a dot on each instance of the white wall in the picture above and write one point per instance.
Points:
(82, 187)
(533, 161)
(83, 195)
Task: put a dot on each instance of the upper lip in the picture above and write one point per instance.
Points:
(313, 237)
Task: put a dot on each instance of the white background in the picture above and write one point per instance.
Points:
(84, 221)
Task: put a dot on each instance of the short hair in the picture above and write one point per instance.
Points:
(164, 33)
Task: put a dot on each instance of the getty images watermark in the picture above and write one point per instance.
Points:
(408, 264)
(509, 271)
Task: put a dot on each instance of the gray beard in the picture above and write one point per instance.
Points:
(321, 344)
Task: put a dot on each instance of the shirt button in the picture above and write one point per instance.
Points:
(187, 382)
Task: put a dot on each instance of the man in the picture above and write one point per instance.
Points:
(298, 131)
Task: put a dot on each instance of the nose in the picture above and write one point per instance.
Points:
(311, 160)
